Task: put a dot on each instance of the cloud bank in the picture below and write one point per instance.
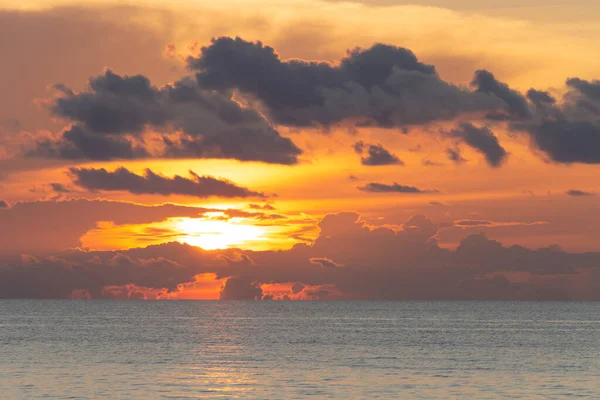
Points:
(378, 263)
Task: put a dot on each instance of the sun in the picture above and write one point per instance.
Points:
(213, 234)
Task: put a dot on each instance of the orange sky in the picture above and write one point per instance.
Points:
(531, 197)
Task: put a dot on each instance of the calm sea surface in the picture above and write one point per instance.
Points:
(287, 350)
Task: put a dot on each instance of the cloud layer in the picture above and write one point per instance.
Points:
(378, 263)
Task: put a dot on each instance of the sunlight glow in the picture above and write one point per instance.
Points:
(212, 234)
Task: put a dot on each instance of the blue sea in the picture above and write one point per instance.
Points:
(292, 350)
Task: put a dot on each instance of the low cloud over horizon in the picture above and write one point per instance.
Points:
(371, 262)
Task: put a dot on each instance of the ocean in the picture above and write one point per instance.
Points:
(88, 349)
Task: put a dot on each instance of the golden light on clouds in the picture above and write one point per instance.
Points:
(203, 287)
(213, 234)
(211, 231)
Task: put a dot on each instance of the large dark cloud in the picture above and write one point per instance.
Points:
(481, 139)
(375, 187)
(376, 155)
(486, 82)
(116, 109)
(382, 85)
(3, 204)
(587, 88)
(113, 104)
(380, 262)
(539, 97)
(566, 141)
(152, 183)
(76, 144)
(567, 131)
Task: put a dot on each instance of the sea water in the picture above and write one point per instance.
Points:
(62, 349)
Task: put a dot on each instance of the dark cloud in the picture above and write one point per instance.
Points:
(116, 109)
(236, 288)
(483, 140)
(151, 183)
(567, 131)
(376, 155)
(540, 98)
(566, 141)
(486, 82)
(3, 204)
(325, 262)
(76, 143)
(455, 156)
(375, 187)
(113, 105)
(60, 188)
(383, 85)
(587, 88)
(579, 193)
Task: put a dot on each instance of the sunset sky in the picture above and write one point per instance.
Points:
(303, 149)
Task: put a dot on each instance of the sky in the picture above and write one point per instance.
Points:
(300, 150)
